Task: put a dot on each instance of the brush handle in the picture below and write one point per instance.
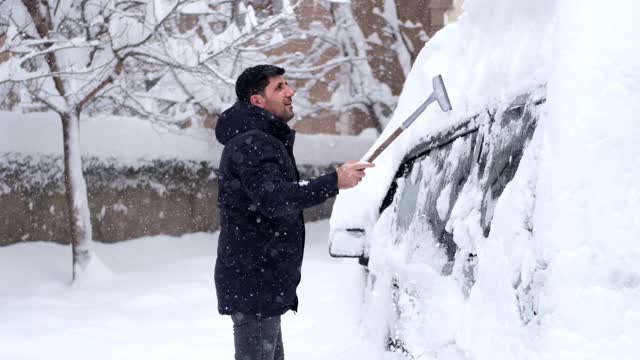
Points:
(386, 143)
(419, 111)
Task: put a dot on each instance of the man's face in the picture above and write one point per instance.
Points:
(276, 99)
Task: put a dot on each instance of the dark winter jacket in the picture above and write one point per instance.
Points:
(261, 199)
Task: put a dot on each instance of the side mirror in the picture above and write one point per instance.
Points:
(347, 243)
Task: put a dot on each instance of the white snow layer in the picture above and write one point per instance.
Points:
(131, 140)
(159, 302)
(571, 288)
(589, 185)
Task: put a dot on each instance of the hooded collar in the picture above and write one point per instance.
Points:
(243, 117)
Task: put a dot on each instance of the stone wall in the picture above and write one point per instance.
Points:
(126, 202)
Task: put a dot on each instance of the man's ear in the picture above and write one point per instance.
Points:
(257, 100)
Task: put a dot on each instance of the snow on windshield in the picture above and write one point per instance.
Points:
(496, 51)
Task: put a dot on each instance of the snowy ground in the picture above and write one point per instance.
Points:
(159, 303)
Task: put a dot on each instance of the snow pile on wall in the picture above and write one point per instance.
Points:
(131, 142)
(570, 288)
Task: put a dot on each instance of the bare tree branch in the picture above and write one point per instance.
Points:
(97, 89)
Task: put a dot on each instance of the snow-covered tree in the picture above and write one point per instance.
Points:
(320, 43)
(365, 91)
(79, 57)
(362, 65)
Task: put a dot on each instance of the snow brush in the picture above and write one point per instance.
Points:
(439, 94)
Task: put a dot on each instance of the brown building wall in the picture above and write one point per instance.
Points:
(419, 20)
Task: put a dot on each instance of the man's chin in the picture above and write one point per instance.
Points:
(288, 116)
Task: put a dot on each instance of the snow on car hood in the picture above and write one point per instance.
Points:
(484, 60)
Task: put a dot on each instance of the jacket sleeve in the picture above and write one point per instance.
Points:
(260, 171)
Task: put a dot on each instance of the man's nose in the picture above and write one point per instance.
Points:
(290, 91)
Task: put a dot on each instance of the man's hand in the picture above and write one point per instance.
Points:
(351, 173)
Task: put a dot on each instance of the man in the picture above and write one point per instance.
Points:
(261, 199)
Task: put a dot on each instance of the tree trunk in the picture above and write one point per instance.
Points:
(373, 115)
(76, 195)
(236, 16)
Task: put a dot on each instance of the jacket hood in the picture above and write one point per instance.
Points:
(243, 117)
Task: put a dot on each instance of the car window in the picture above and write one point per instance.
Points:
(430, 180)
(503, 146)
(429, 188)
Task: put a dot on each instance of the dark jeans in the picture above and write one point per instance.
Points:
(257, 337)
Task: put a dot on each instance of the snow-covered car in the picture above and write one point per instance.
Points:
(450, 181)
(507, 228)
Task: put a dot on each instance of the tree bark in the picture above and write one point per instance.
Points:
(76, 195)
(236, 16)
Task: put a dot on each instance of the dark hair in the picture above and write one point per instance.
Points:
(255, 79)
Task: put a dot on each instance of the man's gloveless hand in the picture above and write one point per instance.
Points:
(351, 173)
